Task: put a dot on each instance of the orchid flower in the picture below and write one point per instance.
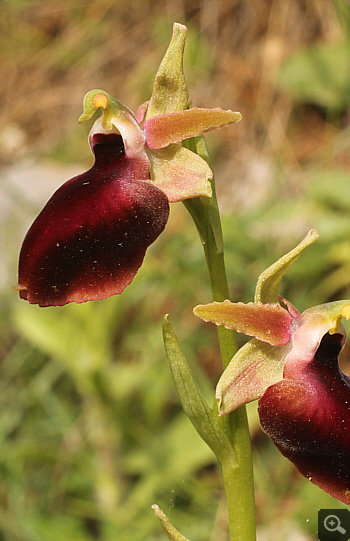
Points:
(292, 367)
(90, 239)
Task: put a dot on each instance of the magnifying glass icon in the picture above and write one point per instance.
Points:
(332, 524)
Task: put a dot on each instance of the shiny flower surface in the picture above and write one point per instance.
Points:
(91, 237)
(292, 367)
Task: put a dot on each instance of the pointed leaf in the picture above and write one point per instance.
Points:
(202, 417)
(171, 531)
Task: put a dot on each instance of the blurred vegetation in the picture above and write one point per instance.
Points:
(91, 430)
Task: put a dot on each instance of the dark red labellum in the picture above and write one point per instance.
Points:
(309, 420)
(91, 237)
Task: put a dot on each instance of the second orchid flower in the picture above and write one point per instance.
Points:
(292, 367)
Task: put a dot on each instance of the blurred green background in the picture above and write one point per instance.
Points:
(91, 429)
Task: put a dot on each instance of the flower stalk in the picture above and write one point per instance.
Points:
(237, 473)
(237, 478)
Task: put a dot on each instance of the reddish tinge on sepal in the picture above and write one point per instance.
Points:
(267, 322)
(91, 237)
(163, 129)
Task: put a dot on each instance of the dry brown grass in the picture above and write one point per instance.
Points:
(55, 51)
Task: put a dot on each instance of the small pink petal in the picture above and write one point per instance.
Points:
(268, 322)
(140, 112)
(290, 307)
(166, 128)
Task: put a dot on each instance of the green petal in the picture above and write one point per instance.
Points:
(267, 322)
(180, 173)
(252, 370)
(163, 129)
(269, 281)
(170, 89)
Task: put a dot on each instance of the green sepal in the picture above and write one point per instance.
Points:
(200, 414)
(268, 285)
(254, 367)
(170, 90)
(170, 530)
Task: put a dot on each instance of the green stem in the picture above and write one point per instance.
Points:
(238, 480)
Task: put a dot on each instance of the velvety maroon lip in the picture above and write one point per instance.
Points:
(309, 420)
(91, 237)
